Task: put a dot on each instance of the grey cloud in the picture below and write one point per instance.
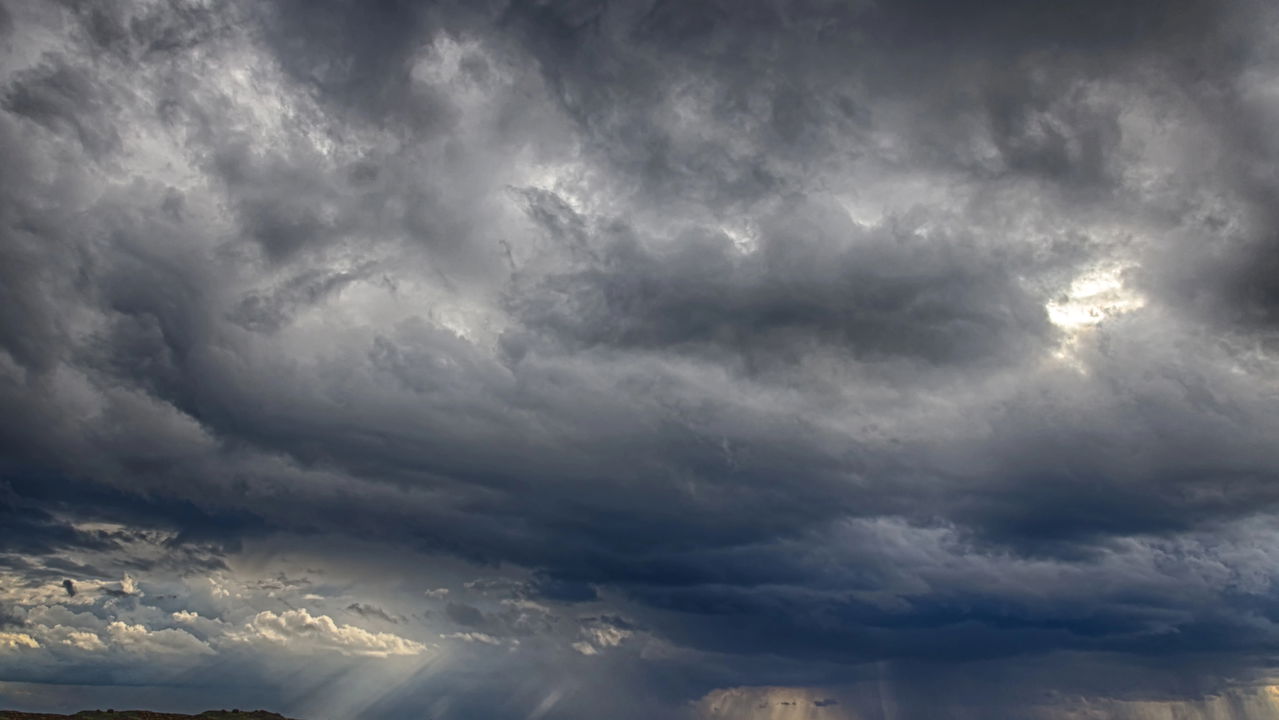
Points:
(924, 345)
(285, 202)
(463, 614)
(60, 96)
(8, 618)
(373, 611)
(265, 312)
(816, 280)
(355, 55)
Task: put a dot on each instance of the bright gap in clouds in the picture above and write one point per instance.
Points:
(1092, 297)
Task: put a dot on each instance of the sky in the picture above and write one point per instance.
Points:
(687, 359)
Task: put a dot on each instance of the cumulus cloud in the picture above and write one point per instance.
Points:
(16, 641)
(298, 631)
(139, 639)
(126, 587)
(82, 640)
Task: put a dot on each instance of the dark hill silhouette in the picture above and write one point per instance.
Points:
(144, 715)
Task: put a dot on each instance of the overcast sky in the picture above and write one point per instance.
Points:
(687, 359)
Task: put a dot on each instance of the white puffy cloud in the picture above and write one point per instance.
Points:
(299, 631)
(64, 632)
(140, 639)
(17, 641)
(79, 639)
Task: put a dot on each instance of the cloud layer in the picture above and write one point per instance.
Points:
(591, 359)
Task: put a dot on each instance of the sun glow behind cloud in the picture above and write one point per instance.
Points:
(1092, 297)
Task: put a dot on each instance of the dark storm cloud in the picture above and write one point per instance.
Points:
(738, 326)
(561, 590)
(797, 83)
(45, 515)
(817, 280)
(33, 530)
